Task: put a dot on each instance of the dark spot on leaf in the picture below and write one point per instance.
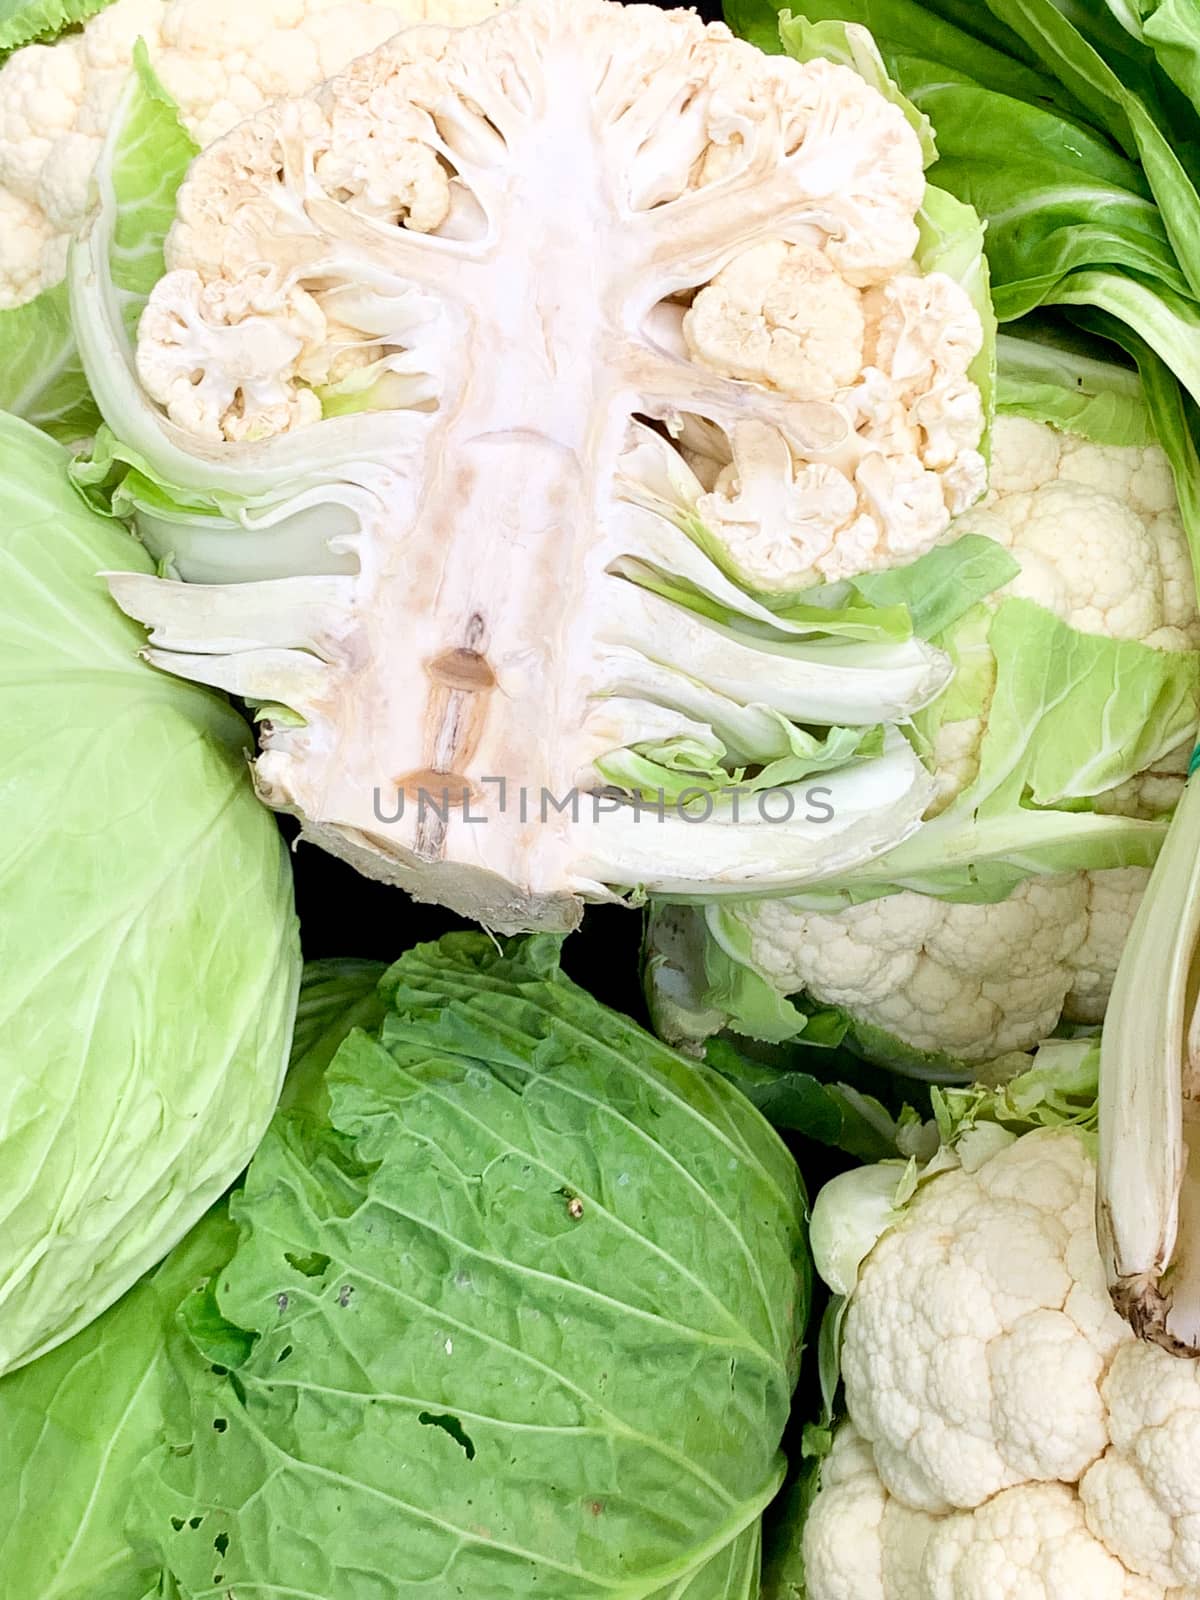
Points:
(596, 1507)
(345, 1295)
(219, 1372)
(220, 1424)
(450, 1424)
(312, 1265)
(221, 1543)
(281, 1300)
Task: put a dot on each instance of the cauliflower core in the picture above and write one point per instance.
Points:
(1009, 1439)
(1100, 542)
(222, 60)
(537, 252)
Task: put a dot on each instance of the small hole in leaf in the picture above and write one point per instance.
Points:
(451, 1425)
(221, 1543)
(312, 1265)
(220, 1424)
(220, 1372)
(194, 1522)
(177, 1524)
(284, 1353)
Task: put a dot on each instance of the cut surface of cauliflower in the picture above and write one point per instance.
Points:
(222, 60)
(1009, 1438)
(498, 237)
(881, 445)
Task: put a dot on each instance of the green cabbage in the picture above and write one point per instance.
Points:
(521, 1318)
(148, 950)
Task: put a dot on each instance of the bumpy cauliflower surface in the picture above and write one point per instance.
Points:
(222, 60)
(1009, 1439)
(1100, 542)
(540, 254)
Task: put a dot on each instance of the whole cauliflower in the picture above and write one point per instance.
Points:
(222, 60)
(1099, 539)
(1008, 1437)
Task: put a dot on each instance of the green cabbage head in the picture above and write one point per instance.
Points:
(514, 1313)
(149, 954)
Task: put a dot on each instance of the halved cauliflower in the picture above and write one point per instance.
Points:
(1008, 1437)
(534, 259)
(222, 60)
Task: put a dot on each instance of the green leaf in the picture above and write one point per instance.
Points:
(552, 1345)
(143, 164)
(681, 772)
(1172, 30)
(26, 21)
(1072, 384)
(1074, 714)
(78, 1424)
(336, 996)
(943, 585)
(906, 29)
(1118, 102)
(41, 379)
(832, 1113)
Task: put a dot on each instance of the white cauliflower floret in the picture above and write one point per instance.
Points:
(900, 422)
(222, 60)
(1137, 1498)
(1099, 539)
(214, 359)
(973, 981)
(1008, 1438)
(783, 315)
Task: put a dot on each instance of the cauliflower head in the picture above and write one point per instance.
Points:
(1007, 1435)
(222, 60)
(446, 336)
(1098, 536)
